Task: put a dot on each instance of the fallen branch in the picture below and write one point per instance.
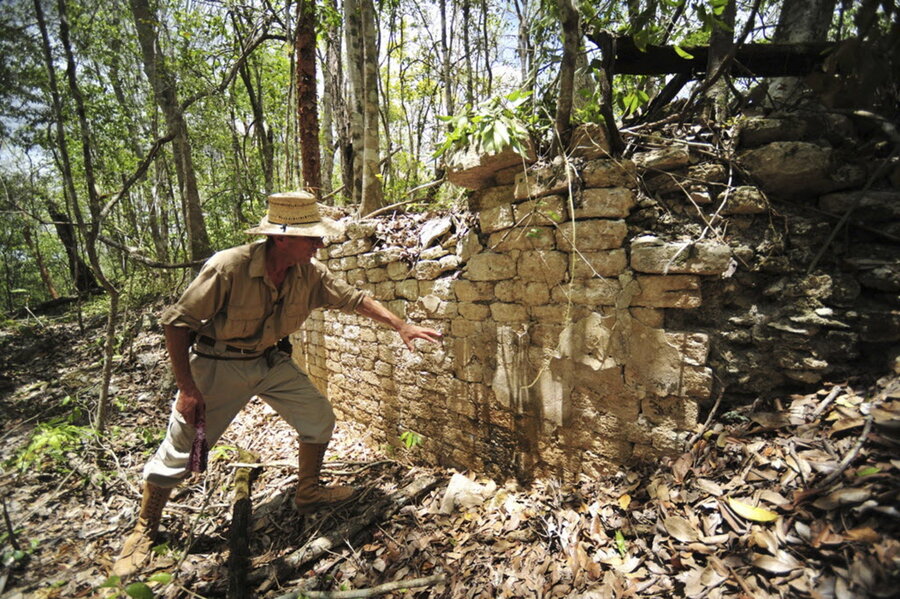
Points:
(848, 459)
(238, 541)
(380, 510)
(381, 589)
(825, 402)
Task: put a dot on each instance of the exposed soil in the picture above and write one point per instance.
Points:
(796, 498)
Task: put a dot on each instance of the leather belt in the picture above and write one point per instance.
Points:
(209, 341)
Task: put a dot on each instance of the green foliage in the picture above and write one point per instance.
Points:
(16, 557)
(490, 127)
(621, 545)
(410, 439)
(136, 590)
(49, 445)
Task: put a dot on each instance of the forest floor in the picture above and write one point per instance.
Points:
(794, 497)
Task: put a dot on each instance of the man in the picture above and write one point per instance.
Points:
(222, 336)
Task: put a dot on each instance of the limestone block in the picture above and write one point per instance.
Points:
(745, 199)
(469, 291)
(554, 313)
(490, 267)
(496, 218)
(376, 259)
(605, 202)
(542, 211)
(651, 254)
(367, 335)
(474, 169)
(464, 327)
(592, 292)
(798, 168)
(663, 159)
(609, 173)
(376, 275)
(667, 441)
(546, 335)
(753, 132)
(694, 347)
(408, 289)
(350, 248)
(598, 234)
(398, 307)
(501, 312)
(361, 229)
(474, 312)
(666, 183)
(871, 205)
(472, 372)
(348, 263)
(431, 306)
(708, 172)
(507, 176)
(545, 266)
(357, 276)
(668, 291)
(385, 291)
(589, 141)
(523, 238)
(599, 264)
(443, 288)
(545, 181)
(530, 293)
(433, 253)
(491, 197)
(398, 270)
(468, 245)
(431, 269)
(696, 381)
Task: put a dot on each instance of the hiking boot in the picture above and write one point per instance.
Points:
(310, 494)
(136, 551)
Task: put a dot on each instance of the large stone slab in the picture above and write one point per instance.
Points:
(799, 168)
(473, 169)
(609, 173)
(651, 254)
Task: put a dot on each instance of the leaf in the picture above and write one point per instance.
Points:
(868, 471)
(620, 543)
(757, 514)
(161, 577)
(111, 582)
(681, 529)
(139, 590)
(776, 565)
(625, 501)
(680, 52)
(845, 496)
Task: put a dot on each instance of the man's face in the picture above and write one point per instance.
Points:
(298, 250)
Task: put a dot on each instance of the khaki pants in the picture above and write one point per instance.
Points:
(227, 386)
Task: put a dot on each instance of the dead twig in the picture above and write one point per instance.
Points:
(381, 589)
(827, 401)
(851, 455)
(706, 424)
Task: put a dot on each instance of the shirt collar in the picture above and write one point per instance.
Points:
(258, 258)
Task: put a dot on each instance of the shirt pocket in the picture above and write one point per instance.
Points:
(242, 321)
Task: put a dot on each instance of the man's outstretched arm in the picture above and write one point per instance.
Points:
(408, 332)
(190, 400)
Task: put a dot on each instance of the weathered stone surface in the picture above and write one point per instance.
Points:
(589, 141)
(592, 292)
(469, 291)
(745, 199)
(496, 218)
(376, 275)
(472, 311)
(375, 259)
(361, 229)
(507, 176)
(798, 168)
(544, 211)
(753, 132)
(430, 269)
(508, 312)
(668, 291)
(707, 172)
(609, 173)
(604, 202)
(468, 245)
(397, 270)
(872, 205)
(433, 253)
(546, 267)
(592, 235)
(522, 238)
(694, 347)
(663, 159)
(599, 264)
(545, 181)
(490, 267)
(353, 247)
(408, 289)
(528, 293)
(651, 254)
(491, 197)
(474, 169)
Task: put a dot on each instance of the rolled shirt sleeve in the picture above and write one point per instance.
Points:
(201, 300)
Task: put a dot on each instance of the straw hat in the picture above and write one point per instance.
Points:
(295, 213)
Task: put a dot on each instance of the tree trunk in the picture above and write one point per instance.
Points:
(372, 192)
(353, 155)
(307, 104)
(486, 46)
(446, 79)
(164, 90)
(35, 248)
(799, 21)
(94, 228)
(568, 18)
(467, 52)
(336, 105)
(721, 43)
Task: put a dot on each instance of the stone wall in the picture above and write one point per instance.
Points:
(585, 306)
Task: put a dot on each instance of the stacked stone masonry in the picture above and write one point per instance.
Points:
(581, 333)
(554, 359)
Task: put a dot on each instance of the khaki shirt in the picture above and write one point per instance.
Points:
(232, 299)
